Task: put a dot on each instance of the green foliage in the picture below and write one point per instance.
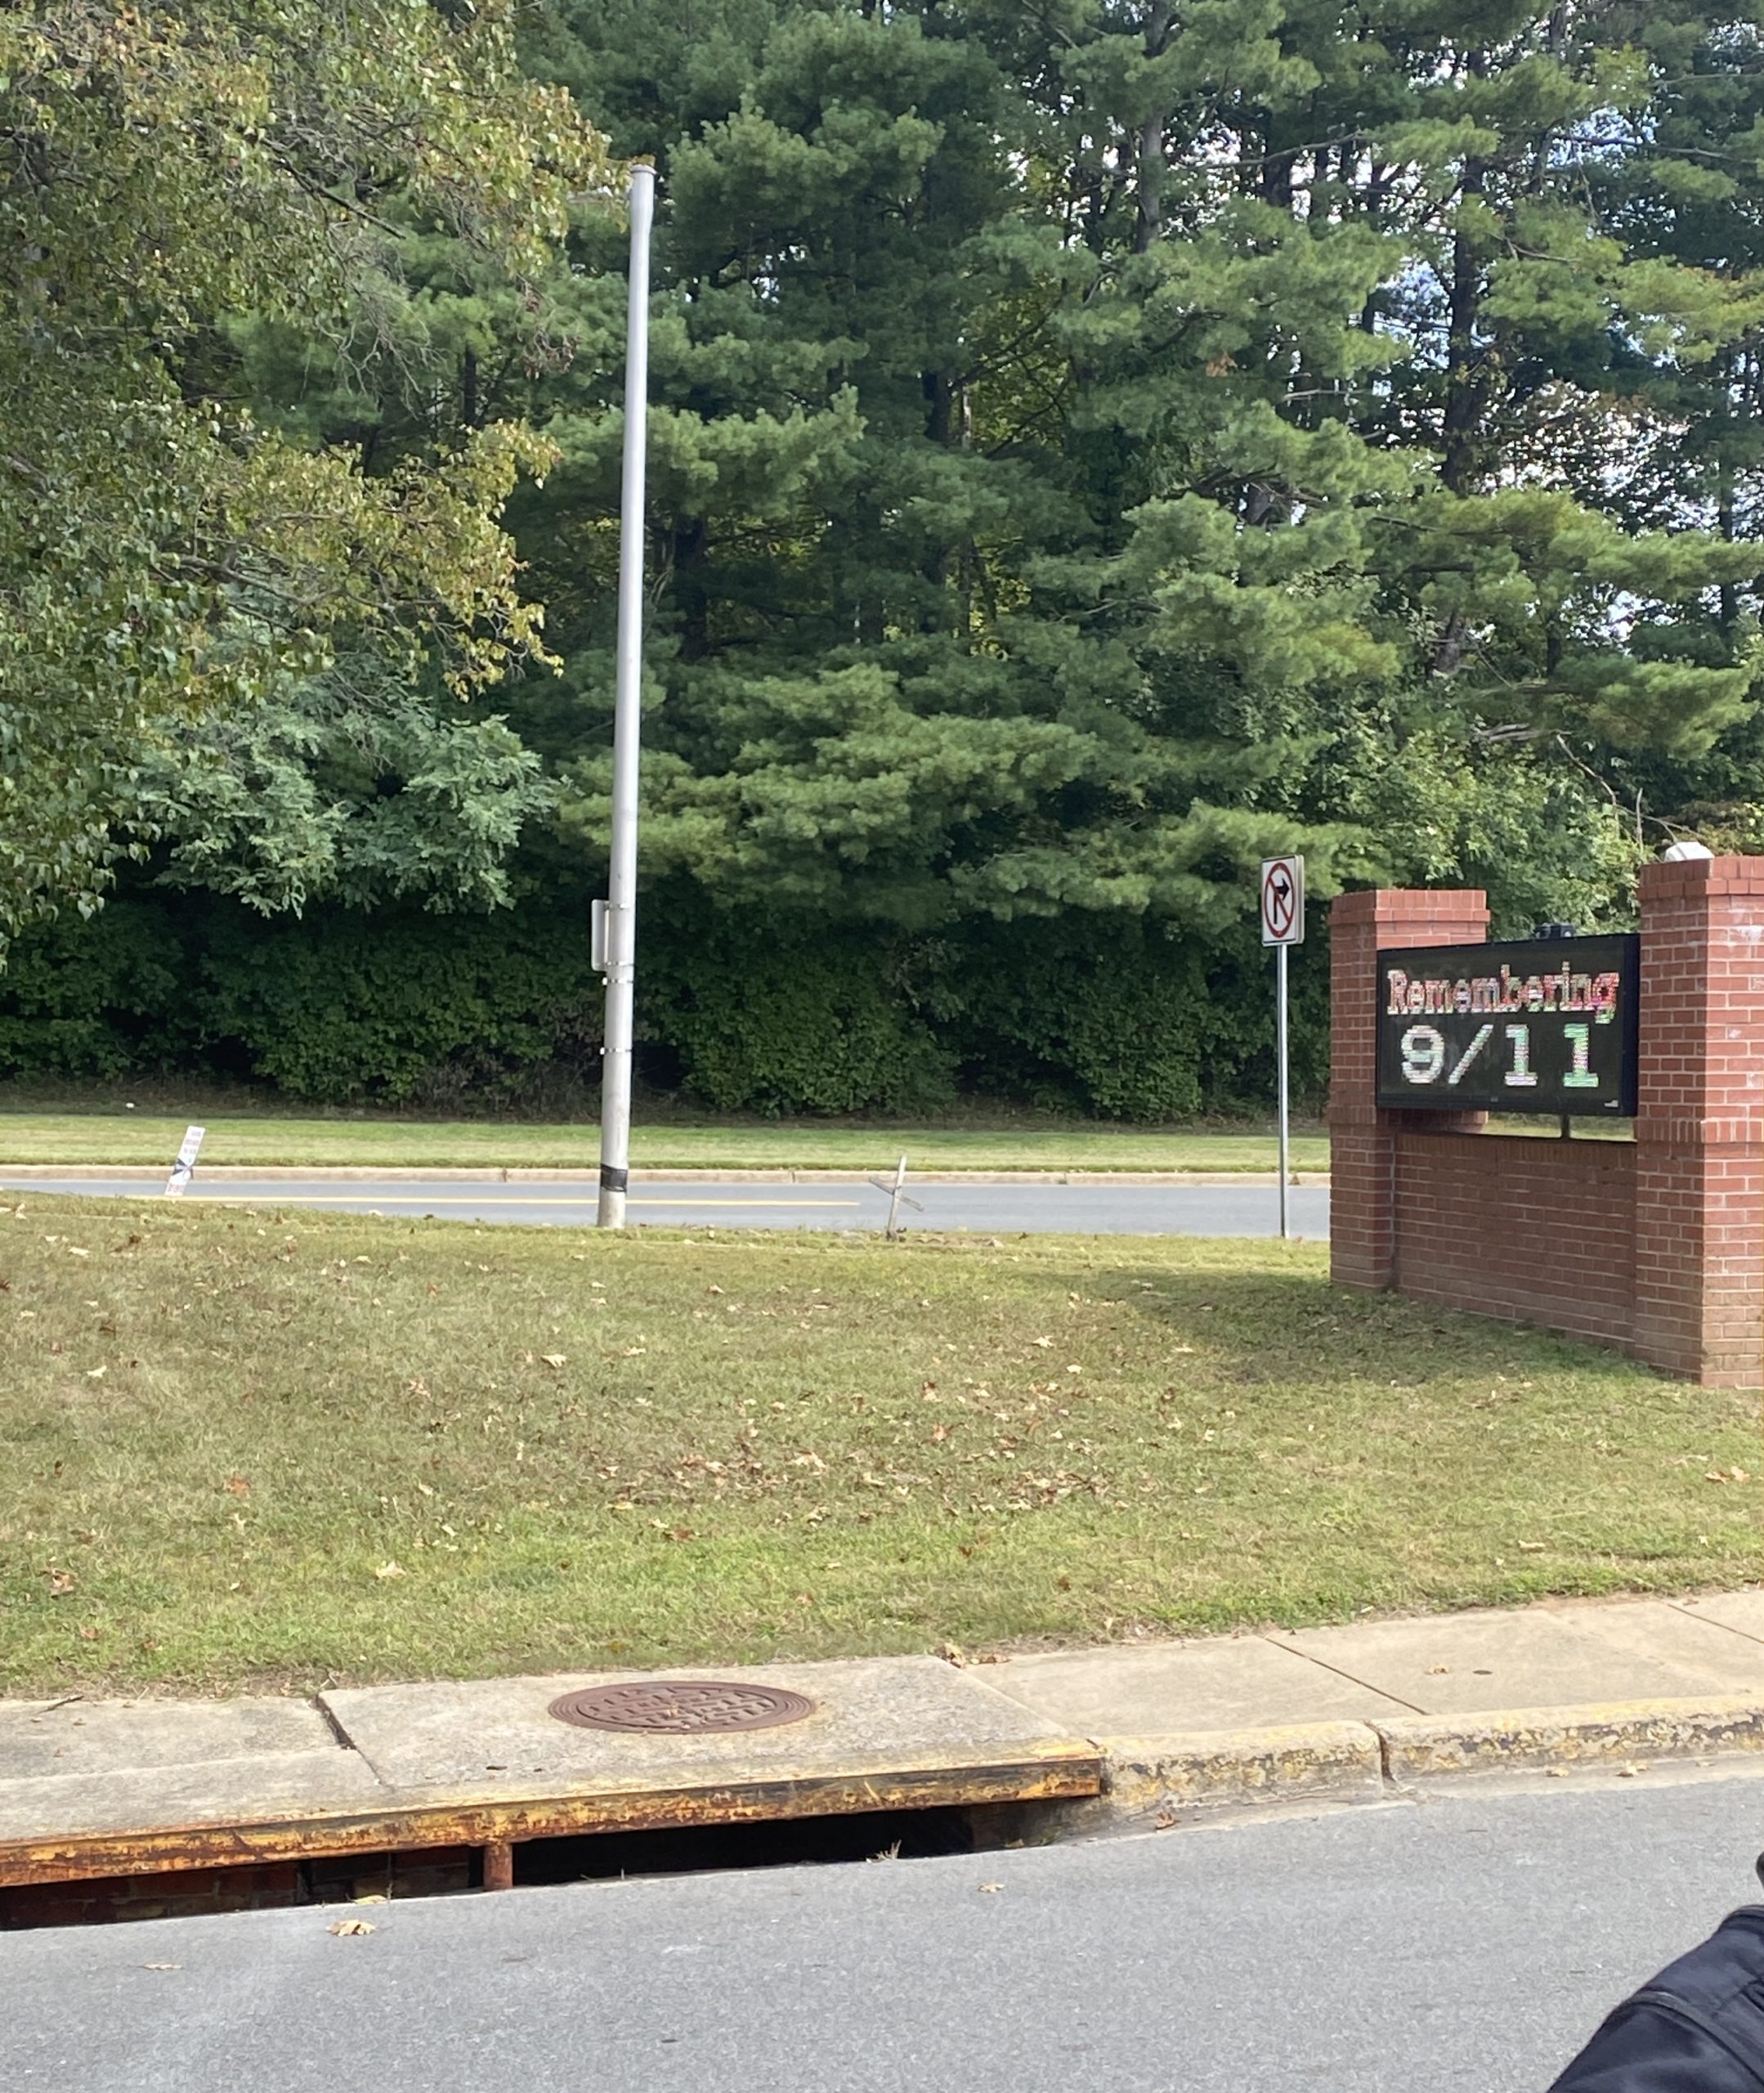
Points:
(97, 999)
(392, 1008)
(773, 1023)
(164, 554)
(1091, 447)
(398, 1007)
(323, 790)
(1127, 1023)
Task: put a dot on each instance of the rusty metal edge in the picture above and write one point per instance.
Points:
(411, 1828)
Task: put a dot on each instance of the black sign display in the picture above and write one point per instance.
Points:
(1544, 1025)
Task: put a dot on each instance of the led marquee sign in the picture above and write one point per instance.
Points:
(1544, 1025)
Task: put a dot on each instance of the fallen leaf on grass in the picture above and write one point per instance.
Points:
(388, 1570)
(237, 1486)
(350, 1926)
(62, 1582)
(555, 1358)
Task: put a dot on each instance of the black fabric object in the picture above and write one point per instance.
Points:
(1699, 2028)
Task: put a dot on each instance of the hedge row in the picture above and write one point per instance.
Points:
(1115, 1020)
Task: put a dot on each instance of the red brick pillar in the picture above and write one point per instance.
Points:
(1699, 1123)
(1362, 1139)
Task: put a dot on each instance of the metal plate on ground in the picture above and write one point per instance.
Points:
(682, 1707)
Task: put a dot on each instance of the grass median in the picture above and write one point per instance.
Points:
(264, 1140)
(246, 1447)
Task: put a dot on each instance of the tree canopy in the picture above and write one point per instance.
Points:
(1093, 445)
(165, 554)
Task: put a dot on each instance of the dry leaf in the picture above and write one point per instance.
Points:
(1531, 1547)
(349, 1926)
(555, 1358)
(991, 1888)
(237, 1486)
(1438, 1671)
(62, 1582)
(88, 1635)
(388, 1570)
(95, 1373)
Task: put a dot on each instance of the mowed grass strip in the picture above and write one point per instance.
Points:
(265, 1141)
(242, 1448)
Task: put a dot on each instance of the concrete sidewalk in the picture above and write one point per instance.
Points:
(1111, 1738)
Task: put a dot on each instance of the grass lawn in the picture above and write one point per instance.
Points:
(243, 1447)
(120, 1137)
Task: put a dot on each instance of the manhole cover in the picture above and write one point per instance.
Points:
(682, 1707)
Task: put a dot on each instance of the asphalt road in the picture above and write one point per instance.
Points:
(1162, 1209)
(1464, 1946)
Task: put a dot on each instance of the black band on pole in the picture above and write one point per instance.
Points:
(614, 1181)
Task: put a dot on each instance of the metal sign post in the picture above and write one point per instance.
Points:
(1282, 912)
(620, 935)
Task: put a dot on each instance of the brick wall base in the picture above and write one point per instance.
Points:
(1529, 1231)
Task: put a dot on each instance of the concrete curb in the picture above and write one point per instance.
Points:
(1426, 1747)
(1101, 1787)
(1160, 1781)
(1157, 1778)
(235, 1173)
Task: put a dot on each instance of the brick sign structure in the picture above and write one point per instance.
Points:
(1655, 1245)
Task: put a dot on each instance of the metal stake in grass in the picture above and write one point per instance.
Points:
(627, 723)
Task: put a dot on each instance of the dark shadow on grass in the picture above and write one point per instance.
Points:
(1274, 1326)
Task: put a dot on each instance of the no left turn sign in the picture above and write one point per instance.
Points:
(1282, 901)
